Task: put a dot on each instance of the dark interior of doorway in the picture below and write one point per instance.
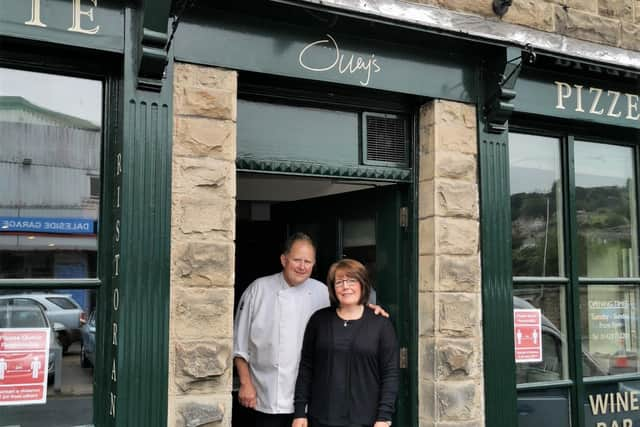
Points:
(261, 231)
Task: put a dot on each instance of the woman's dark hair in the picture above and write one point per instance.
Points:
(354, 270)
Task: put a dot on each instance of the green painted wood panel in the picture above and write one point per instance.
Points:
(260, 45)
(133, 384)
(75, 23)
(497, 300)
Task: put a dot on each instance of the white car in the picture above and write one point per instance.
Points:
(59, 308)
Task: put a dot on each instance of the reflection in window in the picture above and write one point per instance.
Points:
(66, 377)
(551, 302)
(50, 128)
(610, 327)
(536, 205)
(605, 210)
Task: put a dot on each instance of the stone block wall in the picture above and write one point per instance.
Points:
(202, 246)
(609, 22)
(450, 324)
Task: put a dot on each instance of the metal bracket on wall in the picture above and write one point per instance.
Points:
(500, 85)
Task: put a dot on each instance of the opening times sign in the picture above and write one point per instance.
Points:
(527, 330)
(24, 363)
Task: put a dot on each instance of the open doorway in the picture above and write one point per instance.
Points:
(346, 219)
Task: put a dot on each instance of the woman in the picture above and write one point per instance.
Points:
(349, 372)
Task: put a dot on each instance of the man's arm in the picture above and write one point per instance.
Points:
(247, 392)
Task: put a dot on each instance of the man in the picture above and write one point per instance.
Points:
(269, 327)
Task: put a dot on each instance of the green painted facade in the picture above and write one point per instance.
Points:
(133, 44)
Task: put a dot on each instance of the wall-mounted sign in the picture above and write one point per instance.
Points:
(87, 23)
(47, 225)
(24, 363)
(527, 330)
(584, 100)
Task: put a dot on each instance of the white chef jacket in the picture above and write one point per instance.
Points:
(268, 332)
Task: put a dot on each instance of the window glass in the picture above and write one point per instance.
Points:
(63, 302)
(605, 210)
(50, 128)
(57, 370)
(536, 205)
(609, 322)
(551, 302)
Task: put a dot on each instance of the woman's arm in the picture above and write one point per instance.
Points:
(388, 365)
(305, 371)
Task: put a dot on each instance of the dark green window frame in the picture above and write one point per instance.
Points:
(576, 385)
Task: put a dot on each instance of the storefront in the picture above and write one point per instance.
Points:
(153, 171)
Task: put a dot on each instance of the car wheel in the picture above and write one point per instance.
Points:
(84, 362)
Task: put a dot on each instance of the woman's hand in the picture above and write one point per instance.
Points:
(302, 422)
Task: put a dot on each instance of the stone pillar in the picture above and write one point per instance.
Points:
(450, 323)
(202, 246)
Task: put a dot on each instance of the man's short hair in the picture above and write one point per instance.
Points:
(297, 237)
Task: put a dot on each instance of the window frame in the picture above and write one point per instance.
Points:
(567, 134)
(105, 67)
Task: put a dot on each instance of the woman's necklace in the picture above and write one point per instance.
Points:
(345, 322)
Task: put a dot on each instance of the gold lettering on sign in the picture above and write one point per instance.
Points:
(35, 15)
(609, 104)
(562, 94)
(112, 406)
(114, 372)
(115, 334)
(613, 104)
(78, 13)
(116, 299)
(116, 261)
(632, 106)
(596, 99)
(579, 98)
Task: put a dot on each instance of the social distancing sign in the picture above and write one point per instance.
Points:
(527, 329)
(24, 362)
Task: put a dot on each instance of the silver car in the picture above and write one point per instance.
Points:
(59, 308)
(30, 316)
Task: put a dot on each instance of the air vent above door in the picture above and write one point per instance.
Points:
(386, 140)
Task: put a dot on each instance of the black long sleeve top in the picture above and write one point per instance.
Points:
(353, 381)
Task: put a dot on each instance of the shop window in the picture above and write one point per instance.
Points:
(51, 133)
(536, 205)
(50, 127)
(605, 210)
(575, 238)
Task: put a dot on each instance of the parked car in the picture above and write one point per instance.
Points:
(30, 316)
(88, 343)
(59, 308)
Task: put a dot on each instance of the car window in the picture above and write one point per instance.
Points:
(62, 302)
(22, 319)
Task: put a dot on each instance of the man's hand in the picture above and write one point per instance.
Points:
(247, 395)
(378, 310)
(301, 422)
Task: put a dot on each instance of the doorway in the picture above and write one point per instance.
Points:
(364, 220)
